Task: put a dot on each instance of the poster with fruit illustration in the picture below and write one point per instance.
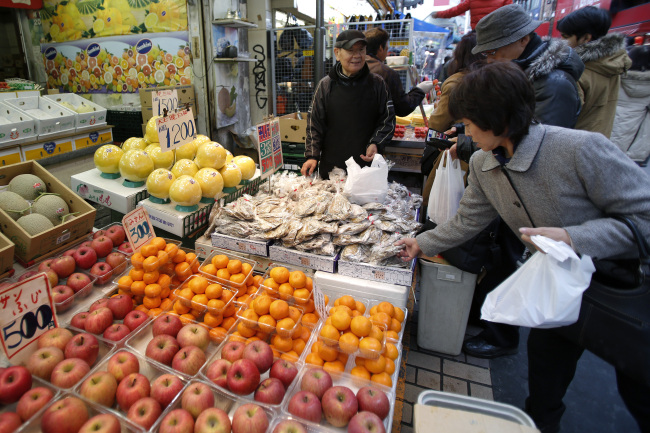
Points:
(71, 20)
(118, 63)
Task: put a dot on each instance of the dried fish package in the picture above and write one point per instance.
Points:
(324, 200)
(344, 240)
(373, 206)
(386, 226)
(355, 253)
(306, 206)
(242, 209)
(370, 236)
(339, 209)
(357, 213)
(352, 228)
(317, 242)
(278, 232)
(289, 239)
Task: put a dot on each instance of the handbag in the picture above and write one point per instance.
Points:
(614, 319)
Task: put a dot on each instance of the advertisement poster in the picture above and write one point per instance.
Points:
(226, 98)
(71, 20)
(121, 64)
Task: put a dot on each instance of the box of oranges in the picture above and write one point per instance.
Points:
(289, 284)
(229, 270)
(270, 315)
(383, 370)
(389, 316)
(197, 292)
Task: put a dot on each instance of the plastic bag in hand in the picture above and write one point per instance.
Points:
(367, 184)
(447, 190)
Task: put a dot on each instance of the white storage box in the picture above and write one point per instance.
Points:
(15, 125)
(397, 60)
(96, 116)
(49, 117)
(340, 284)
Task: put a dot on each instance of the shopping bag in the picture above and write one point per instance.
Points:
(447, 190)
(545, 292)
(367, 184)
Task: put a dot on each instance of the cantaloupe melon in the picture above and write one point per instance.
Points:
(51, 206)
(34, 223)
(13, 204)
(28, 186)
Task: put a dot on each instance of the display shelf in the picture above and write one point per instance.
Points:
(234, 60)
(235, 23)
(107, 192)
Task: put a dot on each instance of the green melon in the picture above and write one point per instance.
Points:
(13, 204)
(52, 207)
(34, 223)
(27, 186)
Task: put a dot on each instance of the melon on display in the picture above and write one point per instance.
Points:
(27, 186)
(107, 158)
(159, 182)
(200, 140)
(229, 156)
(136, 165)
(134, 143)
(160, 159)
(13, 204)
(51, 206)
(152, 131)
(246, 165)
(210, 181)
(186, 151)
(34, 223)
(184, 167)
(211, 155)
(185, 191)
(231, 175)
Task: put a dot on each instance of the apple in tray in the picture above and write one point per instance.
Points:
(102, 245)
(57, 337)
(134, 319)
(122, 364)
(102, 423)
(117, 234)
(42, 362)
(102, 271)
(165, 388)
(250, 418)
(62, 297)
(33, 401)
(63, 266)
(80, 283)
(100, 387)
(66, 415)
(117, 261)
(14, 382)
(85, 257)
(339, 405)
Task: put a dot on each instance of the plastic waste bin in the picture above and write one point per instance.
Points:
(445, 300)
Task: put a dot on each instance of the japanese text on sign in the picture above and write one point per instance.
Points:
(162, 100)
(270, 147)
(176, 129)
(26, 312)
(138, 228)
(319, 302)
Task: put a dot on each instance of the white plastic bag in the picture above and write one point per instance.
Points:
(367, 184)
(546, 292)
(446, 191)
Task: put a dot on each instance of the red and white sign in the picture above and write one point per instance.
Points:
(138, 228)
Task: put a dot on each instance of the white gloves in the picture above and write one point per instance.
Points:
(425, 86)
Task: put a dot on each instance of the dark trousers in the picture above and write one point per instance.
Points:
(552, 361)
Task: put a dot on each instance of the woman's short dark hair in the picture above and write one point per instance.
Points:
(496, 97)
(376, 38)
(589, 19)
(463, 56)
(640, 55)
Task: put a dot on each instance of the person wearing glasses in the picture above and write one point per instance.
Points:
(351, 114)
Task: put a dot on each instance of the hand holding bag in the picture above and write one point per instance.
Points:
(447, 190)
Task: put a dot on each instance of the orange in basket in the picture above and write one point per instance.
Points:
(361, 372)
(369, 347)
(314, 359)
(279, 309)
(124, 283)
(382, 379)
(179, 257)
(348, 343)
(361, 326)
(183, 270)
(214, 291)
(234, 266)
(280, 274)
(149, 250)
(297, 279)
(334, 366)
(150, 277)
(220, 261)
(376, 365)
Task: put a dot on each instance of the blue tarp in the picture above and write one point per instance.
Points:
(422, 26)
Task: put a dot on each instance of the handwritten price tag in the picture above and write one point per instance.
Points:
(26, 312)
(319, 302)
(176, 129)
(162, 100)
(138, 228)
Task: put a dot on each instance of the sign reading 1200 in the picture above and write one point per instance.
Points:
(176, 129)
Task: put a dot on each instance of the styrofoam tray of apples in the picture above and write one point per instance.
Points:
(112, 318)
(132, 386)
(170, 343)
(292, 424)
(23, 398)
(201, 405)
(251, 372)
(333, 400)
(70, 412)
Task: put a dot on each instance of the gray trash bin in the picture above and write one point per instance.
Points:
(445, 299)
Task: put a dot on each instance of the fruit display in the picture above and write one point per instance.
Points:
(107, 160)
(211, 155)
(134, 143)
(399, 131)
(160, 159)
(184, 167)
(158, 184)
(210, 181)
(23, 396)
(293, 286)
(246, 166)
(421, 132)
(28, 186)
(199, 293)
(51, 206)
(392, 318)
(185, 192)
(230, 270)
(231, 175)
(135, 165)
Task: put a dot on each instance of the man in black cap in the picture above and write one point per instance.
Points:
(351, 114)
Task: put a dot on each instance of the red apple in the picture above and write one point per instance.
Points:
(42, 362)
(100, 387)
(86, 244)
(70, 253)
(102, 423)
(165, 388)
(284, 370)
(83, 346)
(103, 302)
(99, 233)
(68, 372)
(116, 234)
(26, 275)
(9, 422)
(316, 381)
(116, 332)
(131, 389)
(212, 420)
(120, 306)
(196, 398)
(122, 364)
(339, 405)
(270, 391)
(305, 405)
(56, 337)
(102, 246)
(45, 265)
(366, 422)
(67, 415)
(33, 401)
(233, 350)
(99, 320)
(85, 257)
(52, 277)
(125, 248)
(217, 372)
(102, 271)
(167, 324)
(289, 426)
(144, 412)
(243, 377)
(250, 418)
(373, 400)
(260, 353)
(63, 297)
(117, 261)
(14, 382)
(64, 266)
(193, 335)
(79, 320)
(134, 319)
(79, 282)
(162, 348)
(177, 421)
(188, 360)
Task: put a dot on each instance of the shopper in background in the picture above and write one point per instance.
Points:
(351, 114)
(516, 176)
(631, 131)
(605, 61)
(376, 53)
(477, 9)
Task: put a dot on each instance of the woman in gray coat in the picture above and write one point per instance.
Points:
(565, 183)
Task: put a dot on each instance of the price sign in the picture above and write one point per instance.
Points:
(319, 302)
(176, 129)
(162, 100)
(269, 147)
(26, 312)
(138, 228)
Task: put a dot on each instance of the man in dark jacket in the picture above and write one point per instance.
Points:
(351, 114)
(376, 53)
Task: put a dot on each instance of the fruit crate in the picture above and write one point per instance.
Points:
(150, 371)
(95, 117)
(301, 299)
(126, 124)
(223, 281)
(268, 329)
(227, 297)
(36, 383)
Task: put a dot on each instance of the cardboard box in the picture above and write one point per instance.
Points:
(301, 258)
(384, 274)
(29, 247)
(7, 249)
(167, 218)
(83, 120)
(107, 192)
(14, 124)
(49, 117)
(259, 248)
(292, 129)
(185, 96)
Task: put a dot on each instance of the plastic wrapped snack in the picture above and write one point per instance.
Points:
(353, 228)
(289, 239)
(306, 206)
(355, 253)
(345, 240)
(266, 223)
(379, 253)
(386, 226)
(324, 200)
(370, 236)
(374, 206)
(315, 243)
(339, 209)
(277, 233)
(328, 249)
(357, 213)
(241, 209)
